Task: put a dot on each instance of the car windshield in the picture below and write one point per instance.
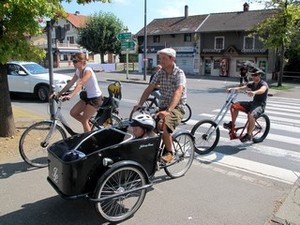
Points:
(35, 68)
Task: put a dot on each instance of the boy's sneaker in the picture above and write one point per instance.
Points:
(227, 125)
(245, 138)
(168, 157)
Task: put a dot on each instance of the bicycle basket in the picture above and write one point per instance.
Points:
(114, 90)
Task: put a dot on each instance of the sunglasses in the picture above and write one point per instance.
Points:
(75, 61)
(254, 75)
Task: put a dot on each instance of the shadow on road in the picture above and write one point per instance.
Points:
(54, 210)
(9, 169)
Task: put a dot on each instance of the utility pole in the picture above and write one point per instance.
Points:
(50, 64)
(145, 40)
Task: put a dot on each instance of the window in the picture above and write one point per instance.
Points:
(71, 40)
(219, 42)
(248, 42)
(156, 38)
(216, 64)
(187, 37)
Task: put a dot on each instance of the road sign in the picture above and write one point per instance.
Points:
(124, 36)
(127, 45)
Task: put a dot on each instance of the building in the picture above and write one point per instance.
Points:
(213, 44)
(65, 34)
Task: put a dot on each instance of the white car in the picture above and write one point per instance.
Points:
(30, 77)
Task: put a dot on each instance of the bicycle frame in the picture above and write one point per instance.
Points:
(222, 113)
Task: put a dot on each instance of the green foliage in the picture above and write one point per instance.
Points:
(20, 20)
(281, 28)
(99, 34)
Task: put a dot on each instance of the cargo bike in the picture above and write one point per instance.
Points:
(113, 169)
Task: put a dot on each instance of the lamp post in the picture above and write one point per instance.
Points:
(145, 39)
(50, 63)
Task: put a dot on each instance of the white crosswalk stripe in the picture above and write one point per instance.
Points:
(285, 129)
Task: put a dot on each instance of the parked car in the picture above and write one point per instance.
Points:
(32, 78)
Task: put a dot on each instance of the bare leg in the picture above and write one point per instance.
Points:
(167, 138)
(251, 124)
(83, 112)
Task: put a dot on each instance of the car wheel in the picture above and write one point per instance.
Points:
(43, 93)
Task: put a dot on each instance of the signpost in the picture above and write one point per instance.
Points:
(124, 36)
(127, 45)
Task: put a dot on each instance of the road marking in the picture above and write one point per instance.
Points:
(259, 169)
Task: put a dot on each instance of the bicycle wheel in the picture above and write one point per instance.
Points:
(114, 120)
(120, 193)
(32, 144)
(207, 135)
(262, 128)
(151, 105)
(184, 150)
(188, 114)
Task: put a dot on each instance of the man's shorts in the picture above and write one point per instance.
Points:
(173, 119)
(255, 108)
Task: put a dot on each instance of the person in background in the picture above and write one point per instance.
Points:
(90, 97)
(258, 89)
(155, 92)
(172, 84)
(243, 75)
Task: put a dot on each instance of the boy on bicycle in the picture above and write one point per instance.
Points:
(258, 89)
(172, 102)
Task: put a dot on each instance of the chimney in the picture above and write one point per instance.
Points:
(246, 7)
(186, 11)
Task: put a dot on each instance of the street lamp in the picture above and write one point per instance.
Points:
(145, 39)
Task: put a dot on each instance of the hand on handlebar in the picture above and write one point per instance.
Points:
(250, 93)
(65, 98)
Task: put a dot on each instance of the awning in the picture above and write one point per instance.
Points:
(72, 50)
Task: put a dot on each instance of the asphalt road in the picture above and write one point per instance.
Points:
(210, 193)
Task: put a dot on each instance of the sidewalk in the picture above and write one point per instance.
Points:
(289, 211)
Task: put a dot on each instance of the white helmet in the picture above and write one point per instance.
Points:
(143, 120)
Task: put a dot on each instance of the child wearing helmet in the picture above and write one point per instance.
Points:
(143, 126)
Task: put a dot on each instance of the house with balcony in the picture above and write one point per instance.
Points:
(64, 41)
(226, 42)
(212, 44)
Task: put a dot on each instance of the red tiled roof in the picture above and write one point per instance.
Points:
(77, 20)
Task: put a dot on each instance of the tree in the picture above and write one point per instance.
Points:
(278, 31)
(99, 34)
(20, 20)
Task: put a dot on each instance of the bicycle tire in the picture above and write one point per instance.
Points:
(31, 147)
(188, 114)
(117, 181)
(205, 142)
(184, 151)
(262, 128)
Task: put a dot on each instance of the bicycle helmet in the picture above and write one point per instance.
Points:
(144, 121)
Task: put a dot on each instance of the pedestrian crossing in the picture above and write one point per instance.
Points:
(281, 145)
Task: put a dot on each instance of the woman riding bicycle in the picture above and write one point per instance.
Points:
(258, 89)
(90, 99)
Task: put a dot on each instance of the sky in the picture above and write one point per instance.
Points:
(131, 12)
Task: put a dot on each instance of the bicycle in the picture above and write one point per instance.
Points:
(114, 173)
(207, 132)
(153, 103)
(37, 137)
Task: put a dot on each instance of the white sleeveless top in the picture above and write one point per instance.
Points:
(91, 86)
